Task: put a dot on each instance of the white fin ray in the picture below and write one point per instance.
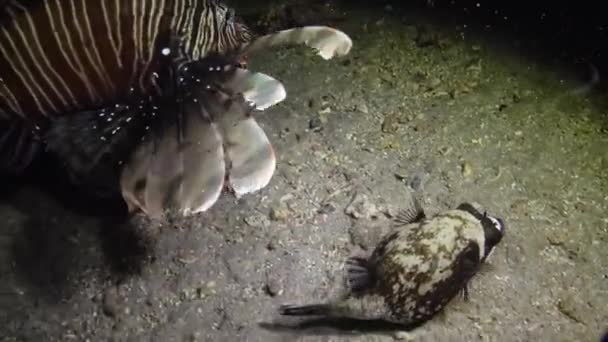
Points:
(219, 138)
(260, 89)
(251, 155)
(188, 178)
(248, 150)
(166, 167)
(204, 166)
(132, 175)
(327, 41)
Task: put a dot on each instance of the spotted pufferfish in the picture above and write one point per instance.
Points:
(415, 270)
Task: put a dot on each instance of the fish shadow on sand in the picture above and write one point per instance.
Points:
(336, 327)
(62, 237)
(48, 258)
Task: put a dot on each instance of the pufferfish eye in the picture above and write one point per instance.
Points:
(496, 222)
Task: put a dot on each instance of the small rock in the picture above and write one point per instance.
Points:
(445, 150)
(466, 169)
(390, 124)
(272, 288)
(557, 238)
(315, 124)
(325, 110)
(279, 213)
(257, 220)
(271, 245)
(425, 37)
(575, 251)
(403, 336)
(367, 233)
(205, 290)
(516, 98)
(361, 207)
(363, 108)
(194, 337)
(416, 183)
(520, 207)
(152, 301)
(401, 176)
(568, 306)
(326, 208)
(434, 82)
(312, 103)
(110, 305)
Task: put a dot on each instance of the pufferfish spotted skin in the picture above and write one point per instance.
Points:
(415, 270)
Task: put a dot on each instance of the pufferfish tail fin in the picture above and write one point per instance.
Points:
(184, 166)
(327, 41)
(306, 310)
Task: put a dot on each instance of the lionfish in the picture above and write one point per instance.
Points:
(152, 96)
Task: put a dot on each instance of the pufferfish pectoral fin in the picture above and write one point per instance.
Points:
(327, 41)
(359, 276)
(411, 214)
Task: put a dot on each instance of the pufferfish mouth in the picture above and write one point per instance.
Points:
(220, 146)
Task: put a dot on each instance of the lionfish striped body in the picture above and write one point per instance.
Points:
(149, 93)
(60, 56)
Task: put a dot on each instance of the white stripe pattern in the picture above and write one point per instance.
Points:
(68, 55)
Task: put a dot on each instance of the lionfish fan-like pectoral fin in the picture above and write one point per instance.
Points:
(260, 89)
(149, 177)
(305, 310)
(164, 173)
(204, 166)
(133, 177)
(327, 41)
(411, 214)
(358, 275)
(177, 172)
(251, 156)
